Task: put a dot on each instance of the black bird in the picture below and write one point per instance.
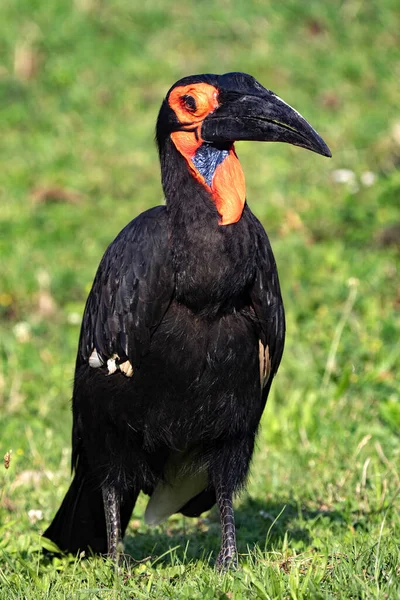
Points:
(183, 330)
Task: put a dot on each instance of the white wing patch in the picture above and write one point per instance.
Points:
(126, 368)
(180, 487)
(111, 364)
(95, 361)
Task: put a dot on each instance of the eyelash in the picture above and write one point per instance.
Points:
(189, 102)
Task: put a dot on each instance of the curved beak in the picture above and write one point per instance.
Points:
(262, 117)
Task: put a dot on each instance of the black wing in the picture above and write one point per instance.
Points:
(132, 290)
(268, 305)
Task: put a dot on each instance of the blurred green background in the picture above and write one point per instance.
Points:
(80, 86)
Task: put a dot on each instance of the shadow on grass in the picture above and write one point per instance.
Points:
(262, 524)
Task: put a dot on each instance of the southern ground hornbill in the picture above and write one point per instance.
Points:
(183, 330)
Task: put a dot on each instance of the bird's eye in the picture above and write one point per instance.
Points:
(189, 102)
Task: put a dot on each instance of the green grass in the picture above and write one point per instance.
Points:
(80, 86)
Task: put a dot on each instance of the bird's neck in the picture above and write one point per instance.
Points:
(213, 264)
(217, 170)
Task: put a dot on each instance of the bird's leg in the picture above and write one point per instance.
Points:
(111, 501)
(227, 556)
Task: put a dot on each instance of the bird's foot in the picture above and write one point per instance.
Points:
(116, 555)
(227, 556)
(226, 560)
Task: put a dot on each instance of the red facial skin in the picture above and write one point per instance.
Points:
(228, 188)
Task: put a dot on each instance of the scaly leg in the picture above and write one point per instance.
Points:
(227, 556)
(112, 501)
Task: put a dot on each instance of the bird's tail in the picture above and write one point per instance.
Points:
(80, 524)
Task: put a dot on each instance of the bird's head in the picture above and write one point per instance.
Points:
(204, 115)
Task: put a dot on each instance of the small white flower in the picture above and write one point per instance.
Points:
(266, 515)
(35, 515)
(22, 332)
(344, 176)
(368, 178)
(353, 282)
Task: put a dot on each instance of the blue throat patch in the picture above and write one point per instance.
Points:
(207, 159)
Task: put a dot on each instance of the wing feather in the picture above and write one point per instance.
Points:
(267, 302)
(132, 290)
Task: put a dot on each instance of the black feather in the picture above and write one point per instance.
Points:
(186, 301)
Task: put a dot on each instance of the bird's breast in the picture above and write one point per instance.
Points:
(202, 377)
(214, 266)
